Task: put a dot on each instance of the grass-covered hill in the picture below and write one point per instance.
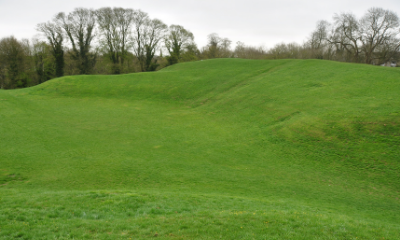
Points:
(217, 149)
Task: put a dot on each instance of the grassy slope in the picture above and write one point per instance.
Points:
(219, 148)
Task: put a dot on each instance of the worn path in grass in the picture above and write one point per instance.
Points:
(228, 148)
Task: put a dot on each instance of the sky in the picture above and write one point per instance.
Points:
(253, 22)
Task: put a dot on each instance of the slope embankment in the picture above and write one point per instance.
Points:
(226, 140)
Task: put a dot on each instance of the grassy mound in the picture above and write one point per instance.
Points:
(227, 148)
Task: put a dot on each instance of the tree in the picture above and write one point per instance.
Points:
(147, 35)
(372, 39)
(345, 37)
(12, 62)
(177, 39)
(318, 40)
(225, 48)
(115, 28)
(217, 47)
(294, 50)
(213, 45)
(387, 51)
(249, 52)
(79, 26)
(153, 36)
(140, 19)
(43, 61)
(54, 34)
(378, 27)
(279, 51)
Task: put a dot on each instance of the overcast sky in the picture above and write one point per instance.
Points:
(254, 22)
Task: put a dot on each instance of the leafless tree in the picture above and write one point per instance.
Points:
(213, 45)
(218, 47)
(345, 36)
(140, 20)
(279, 51)
(249, 52)
(387, 51)
(294, 50)
(79, 26)
(54, 34)
(147, 35)
(318, 40)
(115, 29)
(378, 27)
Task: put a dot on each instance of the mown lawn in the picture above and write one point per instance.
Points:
(217, 149)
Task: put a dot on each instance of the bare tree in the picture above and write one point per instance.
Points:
(372, 39)
(387, 51)
(213, 45)
(279, 51)
(294, 50)
(115, 28)
(79, 26)
(218, 47)
(249, 52)
(346, 37)
(177, 39)
(155, 34)
(140, 20)
(225, 49)
(146, 38)
(378, 27)
(54, 34)
(318, 40)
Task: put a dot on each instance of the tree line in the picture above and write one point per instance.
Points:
(87, 41)
(119, 40)
(372, 39)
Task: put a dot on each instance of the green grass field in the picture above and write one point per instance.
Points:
(216, 149)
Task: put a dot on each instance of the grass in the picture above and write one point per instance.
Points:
(217, 149)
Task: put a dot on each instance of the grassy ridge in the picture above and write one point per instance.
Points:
(206, 147)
